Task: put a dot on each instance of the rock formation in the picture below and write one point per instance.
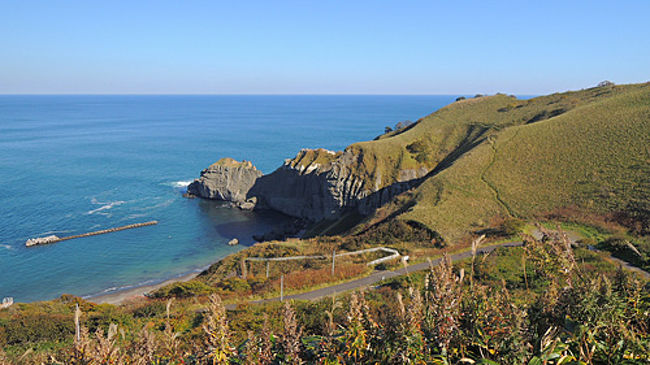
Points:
(226, 180)
(41, 240)
(317, 184)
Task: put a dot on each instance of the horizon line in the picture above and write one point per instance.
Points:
(260, 94)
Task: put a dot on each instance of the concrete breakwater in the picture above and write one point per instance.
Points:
(52, 239)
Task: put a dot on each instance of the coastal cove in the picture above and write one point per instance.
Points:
(74, 164)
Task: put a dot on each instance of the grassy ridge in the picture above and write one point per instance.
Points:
(586, 149)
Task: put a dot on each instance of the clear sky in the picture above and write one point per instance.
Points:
(320, 47)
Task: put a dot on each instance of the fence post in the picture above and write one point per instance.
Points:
(244, 269)
(282, 287)
(267, 268)
(333, 259)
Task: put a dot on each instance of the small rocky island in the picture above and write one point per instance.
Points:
(227, 180)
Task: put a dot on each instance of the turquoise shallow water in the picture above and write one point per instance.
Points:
(73, 164)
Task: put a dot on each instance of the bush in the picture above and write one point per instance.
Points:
(512, 226)
(419, 149)
(105, 314)
(150, 310)
(234, 285)
(398, 230)
(184, 290)
(32, 328)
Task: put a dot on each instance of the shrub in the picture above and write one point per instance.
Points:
(150, 310)
(32, 328)
(398, 230)
(184, 290)
(382, 266)
(512, 226)
(234, 285)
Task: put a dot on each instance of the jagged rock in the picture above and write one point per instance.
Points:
(321, 184)
(316, 184)
(249, 204)
(233, 242)
(227, 180)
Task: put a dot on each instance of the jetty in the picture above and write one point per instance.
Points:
(53, 239)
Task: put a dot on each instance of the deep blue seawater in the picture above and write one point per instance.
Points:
(73, 164)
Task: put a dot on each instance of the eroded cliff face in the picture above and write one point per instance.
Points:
(226, 180)
(321, 184)
(316, 184)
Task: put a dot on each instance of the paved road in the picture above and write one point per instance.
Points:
(378, 276)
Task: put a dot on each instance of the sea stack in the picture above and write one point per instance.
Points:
(228, 180)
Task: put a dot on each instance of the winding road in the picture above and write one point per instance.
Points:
(378, 276)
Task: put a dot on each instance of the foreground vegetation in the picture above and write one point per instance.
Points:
(544, 303)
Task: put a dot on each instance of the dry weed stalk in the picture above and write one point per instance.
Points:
(144, 348)
(443, 303)
(356, 334)
(170, 338)
(552, 254)
(475, 244)
(266, 343)
(106, 350)
(290, 341)
(217, 341)
(82, 349)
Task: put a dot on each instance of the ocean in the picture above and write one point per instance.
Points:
(72, 164)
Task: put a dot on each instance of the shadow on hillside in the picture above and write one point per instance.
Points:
(474, 136)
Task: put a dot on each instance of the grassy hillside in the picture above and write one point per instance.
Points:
(499, 156)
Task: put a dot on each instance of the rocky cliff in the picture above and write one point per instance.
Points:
(317, 184)
(226, 180)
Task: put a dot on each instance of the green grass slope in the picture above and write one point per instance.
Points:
(587, 149)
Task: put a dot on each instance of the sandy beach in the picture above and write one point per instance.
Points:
(122, 296)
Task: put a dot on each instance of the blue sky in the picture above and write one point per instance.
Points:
(320, 47)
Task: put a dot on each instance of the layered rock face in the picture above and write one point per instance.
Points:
(320, 184)
(316, 184)
(227, 180)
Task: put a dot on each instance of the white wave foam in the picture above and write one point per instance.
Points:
(116, 289)
(178, 184)
(105, 206)
(6, 246)
(182, 184)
